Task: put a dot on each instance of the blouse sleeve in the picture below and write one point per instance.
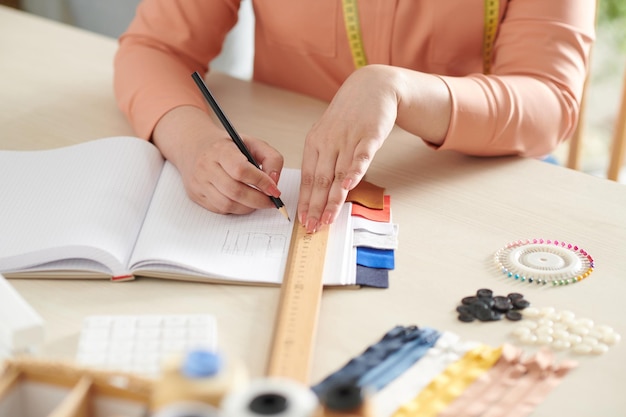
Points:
(165, 43)
(530, 102)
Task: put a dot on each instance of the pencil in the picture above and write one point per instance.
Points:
(234, 135)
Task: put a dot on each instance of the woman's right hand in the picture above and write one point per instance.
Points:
(215, 173)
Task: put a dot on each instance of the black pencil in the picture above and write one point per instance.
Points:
(234, 135)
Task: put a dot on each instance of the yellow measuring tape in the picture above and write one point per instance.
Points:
(353, 30)
(492, 11)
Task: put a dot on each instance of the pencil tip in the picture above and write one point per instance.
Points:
(283, 210)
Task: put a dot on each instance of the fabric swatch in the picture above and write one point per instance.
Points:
(365, 238)
(368, 195)
(383, 215)
(375, 258)
(372, 277)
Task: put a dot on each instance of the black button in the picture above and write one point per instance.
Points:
(487, 300)
(466, 317)
(520, 304)
(502, 303)
(463, 309)
(514, 315)
(469, 300)
(484, 292)
(484, 306)
(478, 306)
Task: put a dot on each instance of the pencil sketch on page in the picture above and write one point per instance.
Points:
(254, 244)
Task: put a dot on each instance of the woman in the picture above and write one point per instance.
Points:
(434, 69)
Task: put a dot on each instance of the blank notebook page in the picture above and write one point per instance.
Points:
(68, 201)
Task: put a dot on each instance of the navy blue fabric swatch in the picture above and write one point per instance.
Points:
(372, 277)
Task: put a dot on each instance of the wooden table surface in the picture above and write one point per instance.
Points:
(453, 212)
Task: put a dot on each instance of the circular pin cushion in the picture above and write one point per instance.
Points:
(544, 262)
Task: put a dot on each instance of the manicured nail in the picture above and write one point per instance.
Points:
(327, 218)
(346, 183)
(274, 191)
(311, 225)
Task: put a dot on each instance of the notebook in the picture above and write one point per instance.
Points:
(113, 208)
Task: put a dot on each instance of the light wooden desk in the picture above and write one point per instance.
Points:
(454, 212)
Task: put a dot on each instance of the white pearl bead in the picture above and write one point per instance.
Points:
(582, 348)
(529, 339)
(567, 315)
(545, 322)
(531, 312)
(560, 344)
(591, 341)
(559, 326)
(611, 338)
(556, 316)
(604, 328)
(585, 322)
(595, 333)
(579, 330)
(544, 330)
(568, 321)
(575, 339)
(561, 335)
(544, 339)
(547, 310)
(600, 348)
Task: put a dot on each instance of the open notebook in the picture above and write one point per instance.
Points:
(114, 208)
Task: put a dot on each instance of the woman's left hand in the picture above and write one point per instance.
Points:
(341, 145)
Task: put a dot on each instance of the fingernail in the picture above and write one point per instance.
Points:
(346, 183)
(327, 218)
(274, 191)
(302, 217)
(274, 176)
(311, 225)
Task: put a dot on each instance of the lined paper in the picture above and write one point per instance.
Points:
(85, 200)
(251, 248)
(114, 207)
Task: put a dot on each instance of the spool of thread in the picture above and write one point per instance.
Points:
(199, 376)
(277, 397)
(346, 400)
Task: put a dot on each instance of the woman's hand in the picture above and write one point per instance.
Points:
(215, 173)
(341, 145)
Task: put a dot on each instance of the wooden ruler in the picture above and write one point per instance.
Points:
(298, 310)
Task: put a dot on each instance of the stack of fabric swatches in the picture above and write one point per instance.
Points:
(422, 372)
(375, 237)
